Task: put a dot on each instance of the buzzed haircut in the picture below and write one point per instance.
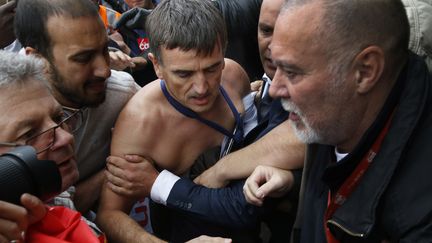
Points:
(32, 16)
(186, 24)
(349, 26)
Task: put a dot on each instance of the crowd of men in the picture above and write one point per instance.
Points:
(161, 134)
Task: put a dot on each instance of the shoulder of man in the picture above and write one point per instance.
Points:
(420, 19)
(123, 82)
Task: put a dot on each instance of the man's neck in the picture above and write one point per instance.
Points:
(374, 105)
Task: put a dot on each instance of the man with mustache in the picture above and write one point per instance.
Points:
(363, 102)
(188, 110)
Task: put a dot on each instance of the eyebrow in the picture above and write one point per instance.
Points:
(213, 66)
(83, 53)
(205, 69)
(288, 66)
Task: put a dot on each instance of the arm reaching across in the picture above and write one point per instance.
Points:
(125, 176)
(279, 148)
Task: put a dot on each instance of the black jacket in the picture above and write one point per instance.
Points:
(393, 200)
(241, 17)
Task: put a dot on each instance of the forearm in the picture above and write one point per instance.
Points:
(224, 206)
(114, 220)
(279, 148)
(88, 192)
(119, 227)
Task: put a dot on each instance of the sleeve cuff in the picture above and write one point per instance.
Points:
(162, 187)
(250, 118)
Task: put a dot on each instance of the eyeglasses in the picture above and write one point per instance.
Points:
(46, 139)
(75, 117)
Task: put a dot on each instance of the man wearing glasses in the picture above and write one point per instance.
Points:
(74, 44)
(31, 117)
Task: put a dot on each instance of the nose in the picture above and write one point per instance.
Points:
(101, 66)
(200, 84)
(278, 87)
(62, 139)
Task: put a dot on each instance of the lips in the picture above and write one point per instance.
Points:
(97, 87)
(294, 117)
(203, 100)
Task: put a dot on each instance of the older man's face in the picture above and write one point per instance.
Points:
(30, 110)
(316, 98)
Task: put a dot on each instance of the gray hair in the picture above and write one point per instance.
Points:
(17, 70)
(186, 24)
(349, 26)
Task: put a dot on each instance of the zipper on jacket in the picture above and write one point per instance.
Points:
(349, 232)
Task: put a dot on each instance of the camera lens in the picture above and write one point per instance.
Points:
(21, 172)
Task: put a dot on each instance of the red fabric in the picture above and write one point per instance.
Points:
(61, 225)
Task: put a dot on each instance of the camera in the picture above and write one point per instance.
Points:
(21, 172)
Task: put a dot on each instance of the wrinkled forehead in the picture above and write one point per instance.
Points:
(181, 56)
(25, 107)
(298, 27)
(29, 97)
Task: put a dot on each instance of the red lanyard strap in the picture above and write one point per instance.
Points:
(348, 186)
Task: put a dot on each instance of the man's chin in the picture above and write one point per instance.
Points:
(95, 101)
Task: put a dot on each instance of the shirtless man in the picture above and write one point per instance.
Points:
(188, 58)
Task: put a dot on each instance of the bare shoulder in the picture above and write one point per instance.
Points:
(235, 79)
(136, 126)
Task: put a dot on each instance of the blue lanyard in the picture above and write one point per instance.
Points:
(237, 135)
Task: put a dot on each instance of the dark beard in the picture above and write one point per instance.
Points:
(73, 95)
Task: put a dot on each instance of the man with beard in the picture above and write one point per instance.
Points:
(363, 102)
(70, 36)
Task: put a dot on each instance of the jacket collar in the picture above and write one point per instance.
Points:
(411, 91)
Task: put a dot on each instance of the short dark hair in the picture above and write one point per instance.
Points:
(32, 15)
(349, 26)
(186, 24)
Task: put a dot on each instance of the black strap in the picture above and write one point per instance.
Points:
(238, 131)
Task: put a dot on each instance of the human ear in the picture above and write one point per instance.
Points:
(30, 51)
(156, 65)
(369, 67)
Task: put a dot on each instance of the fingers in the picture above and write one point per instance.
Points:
(250, 192)
(140, 62)
(208, 239)
(119, 190)
(13, 221)
(135, 158)
(117, 178)
(120, 61)
(35, 207)
(132, 176)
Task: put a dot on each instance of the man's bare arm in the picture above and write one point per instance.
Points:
(279, 148)
(130, 136)
(87, 192)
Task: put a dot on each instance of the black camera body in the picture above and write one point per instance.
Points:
(21, 172)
